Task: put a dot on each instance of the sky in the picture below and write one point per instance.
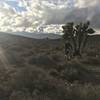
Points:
(31, 15)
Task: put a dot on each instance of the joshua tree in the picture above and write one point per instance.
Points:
(78, 35)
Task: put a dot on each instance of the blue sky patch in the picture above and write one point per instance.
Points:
(15, 5)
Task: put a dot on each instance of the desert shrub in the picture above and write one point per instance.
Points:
(70, 74)
(5, 83)
(92, 53)
(4, 92)
(83, 92)
(91, 61)
(54, 73)
(27, 54)
(56, 57)
(42, 60)
(20, 95)
(75, 72)
(34, 83)
(37, 80)
(26, 77)
(41, 97)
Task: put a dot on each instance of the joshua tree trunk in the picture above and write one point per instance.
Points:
(85, 41)
(80, 41)
(74, 45)
(77, 52)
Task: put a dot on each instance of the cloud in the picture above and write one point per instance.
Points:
(30, 15)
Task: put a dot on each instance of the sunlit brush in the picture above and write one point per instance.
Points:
(3, 58)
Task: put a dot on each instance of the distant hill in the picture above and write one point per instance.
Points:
(35, 35)
(50, 35)
(47, 35)
(38, 35)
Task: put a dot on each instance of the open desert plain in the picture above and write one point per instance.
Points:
(36, 69)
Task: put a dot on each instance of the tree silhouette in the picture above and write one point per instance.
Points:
(78, 35)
